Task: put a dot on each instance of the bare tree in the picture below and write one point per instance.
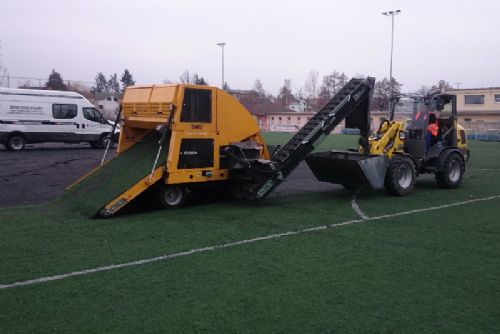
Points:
(423, 90)
(185, 78)
(332, 83)
(311, 84)
(199, 80)
(285, 96)
(383, 92)
(259, 88)
(442, 85)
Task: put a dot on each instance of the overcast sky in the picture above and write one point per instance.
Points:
(458, 41)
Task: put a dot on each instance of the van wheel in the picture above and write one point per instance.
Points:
(16, 143)
(400, 176)
(172, 195)
(101, 143)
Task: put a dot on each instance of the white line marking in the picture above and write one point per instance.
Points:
(485, 169)
(233, 244)
(355, 205)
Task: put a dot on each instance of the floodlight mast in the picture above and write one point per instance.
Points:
(391, 13)
(222, 44)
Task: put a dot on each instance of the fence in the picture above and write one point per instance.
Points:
(32, 82)
(484, 131)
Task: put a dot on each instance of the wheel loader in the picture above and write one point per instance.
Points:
(397, 153)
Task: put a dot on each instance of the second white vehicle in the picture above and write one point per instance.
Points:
(35, 116)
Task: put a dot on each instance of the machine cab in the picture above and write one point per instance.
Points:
(433, 124)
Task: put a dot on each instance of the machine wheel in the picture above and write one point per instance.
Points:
(172, 195)
(16, 142)
(450, 174)
(400, 176)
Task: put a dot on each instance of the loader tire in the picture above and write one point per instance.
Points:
(172, 195)
(451, 173)
(400, 176)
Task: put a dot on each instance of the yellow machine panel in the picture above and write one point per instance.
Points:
(194, 123)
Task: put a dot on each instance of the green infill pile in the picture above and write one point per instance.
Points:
(114, 178)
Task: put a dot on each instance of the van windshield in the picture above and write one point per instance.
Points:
(93, 115)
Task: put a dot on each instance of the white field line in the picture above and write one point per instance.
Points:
(485, 169)
(233, 244)
(355, 205)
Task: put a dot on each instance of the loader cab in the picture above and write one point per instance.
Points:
(432, 108)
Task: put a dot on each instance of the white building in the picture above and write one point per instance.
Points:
(108, 103)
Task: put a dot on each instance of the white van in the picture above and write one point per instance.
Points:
(35, 116)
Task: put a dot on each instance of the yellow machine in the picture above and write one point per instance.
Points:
(397, 153)
(196, 121)
(180, 139)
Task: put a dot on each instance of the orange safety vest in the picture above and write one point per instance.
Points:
(433, 128)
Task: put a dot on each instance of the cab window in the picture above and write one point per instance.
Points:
(197, 106)
(93, 115)
(64, 111)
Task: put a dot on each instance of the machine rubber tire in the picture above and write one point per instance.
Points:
(172, 195)
(16, 142)
(400, 176)
(450, 174)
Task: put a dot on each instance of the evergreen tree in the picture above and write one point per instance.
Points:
(101, 84)
(113, 83)
(55, 82)
(127, 79)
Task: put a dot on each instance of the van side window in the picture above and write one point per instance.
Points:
(197, 106)
(64, 111)
(92, 115)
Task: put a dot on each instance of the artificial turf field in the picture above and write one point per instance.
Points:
(433, 271)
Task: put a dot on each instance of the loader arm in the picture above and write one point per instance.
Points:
(388, 140)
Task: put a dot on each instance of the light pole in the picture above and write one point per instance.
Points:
(391, 13)
(221, 44)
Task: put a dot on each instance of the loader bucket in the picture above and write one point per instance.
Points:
(351, 169)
